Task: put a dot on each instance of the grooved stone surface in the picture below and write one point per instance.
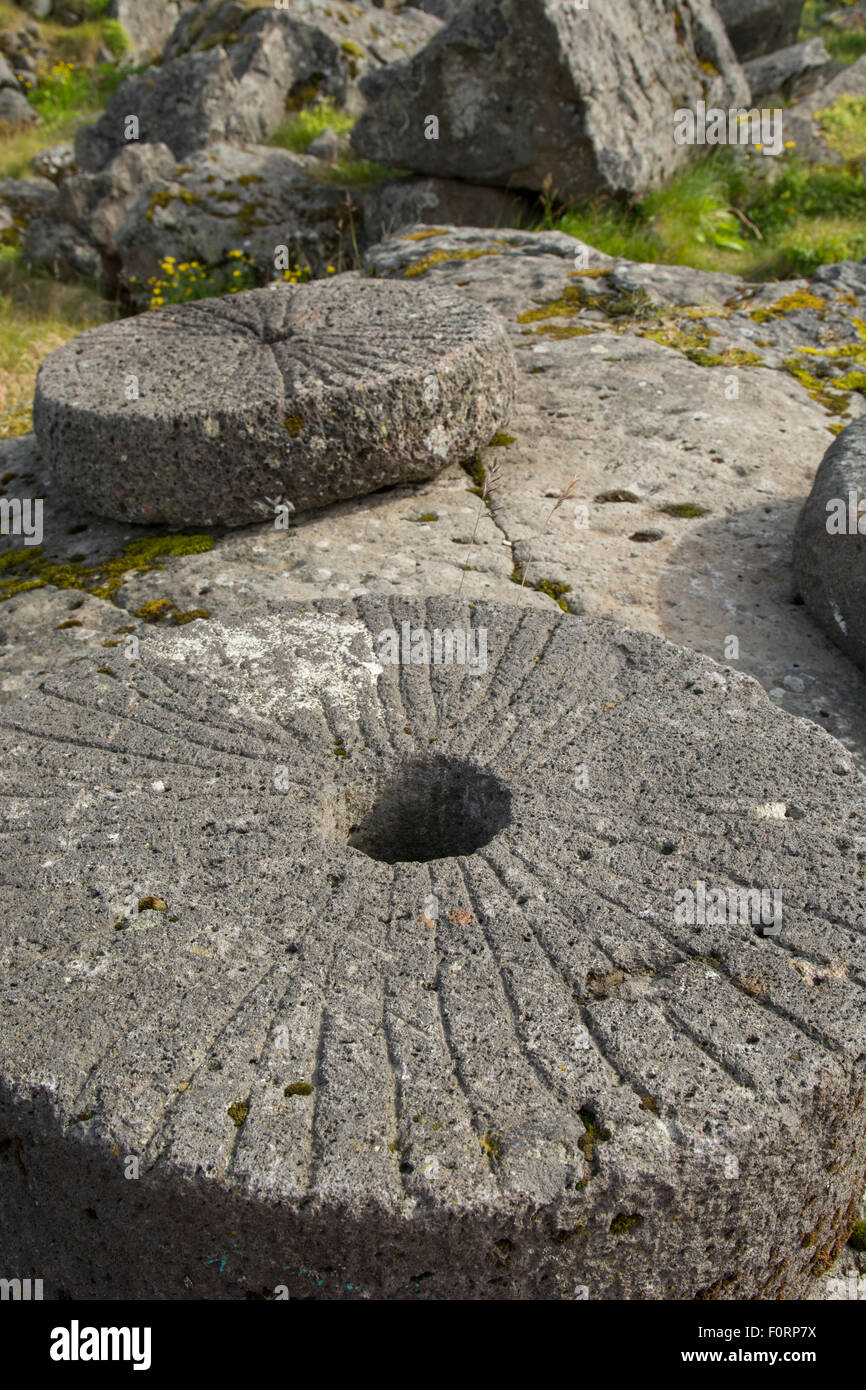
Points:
(308, 394)
(507, 1071)
(830, 565)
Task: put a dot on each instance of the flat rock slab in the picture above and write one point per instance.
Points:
(375, 968)
(306, 394)
(830, 543)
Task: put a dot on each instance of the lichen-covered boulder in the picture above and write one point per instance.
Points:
(830, 543)
(305, 394)
(347, 942)
(543, 93)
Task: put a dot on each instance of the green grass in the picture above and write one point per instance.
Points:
(37, 315)
(844, 46)
(722, 214)
(298, 133)
(844, 127)
(301, 130)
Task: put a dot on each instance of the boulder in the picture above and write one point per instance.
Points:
(760, 26)
(78, 232)
(148, 23)
(830, 544)
(15, 109)
(348, 954)
(788, 73)
(396, 204)
(28, 198)
(802, 124)
(538, 93)
(198, 413)
(231, 198)
(233, 74)
(56, 162)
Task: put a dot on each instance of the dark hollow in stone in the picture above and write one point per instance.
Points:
(480, 1067)
(430, 809)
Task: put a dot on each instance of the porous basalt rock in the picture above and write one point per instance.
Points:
(198, 413)
(830, 543)
(377, 968)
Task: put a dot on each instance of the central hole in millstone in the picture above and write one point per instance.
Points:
(431, 808)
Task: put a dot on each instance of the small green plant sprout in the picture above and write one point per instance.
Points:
(492, 478)
(566, 493)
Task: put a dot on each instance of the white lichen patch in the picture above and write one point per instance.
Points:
(771, 810)
(281, 661)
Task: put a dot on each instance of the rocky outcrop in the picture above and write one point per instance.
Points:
(760, 26)
(830, 544)
(78, 231)
(266, 202)
(535, 93)
(233, 74)
(148, 23)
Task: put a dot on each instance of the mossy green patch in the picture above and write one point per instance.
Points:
(800, 299)
(426, 517)
(238, 1111)
(502, 441)
(298, 1088)
(475, 468)
(422, 236)
(593, 1136)
(440, 257)
(625, 1221)
(857, 1238)
(29, 569)
(553, 588)
(491, 1146)
(616, 495)
(684, 509)
(293, 425)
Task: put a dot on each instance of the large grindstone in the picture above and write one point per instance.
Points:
(214, 412)
(830, 543)
(375, 968)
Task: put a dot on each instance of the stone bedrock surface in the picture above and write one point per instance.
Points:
(831, 566)
(536, 1082)
(307, 393)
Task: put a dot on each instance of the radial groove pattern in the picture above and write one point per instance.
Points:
(212, 412)
(517, 1069)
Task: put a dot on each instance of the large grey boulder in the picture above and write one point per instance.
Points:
(230, 197)
(15, 109)
(830, 543)
(148, 23)
(380, 967)
(231, 73)
(76, 232)
(527, 92)
(790, 72)
(199, 413)
(760, 26)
